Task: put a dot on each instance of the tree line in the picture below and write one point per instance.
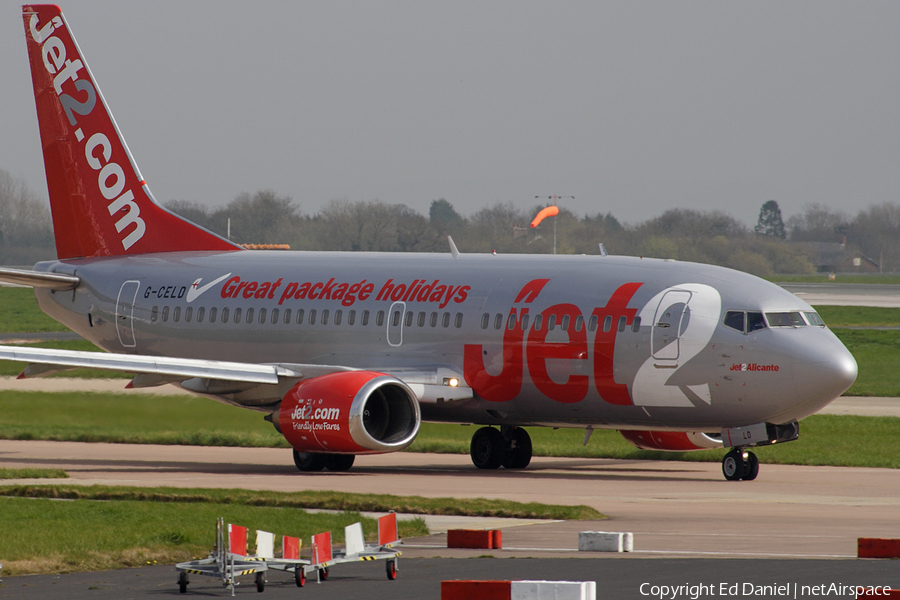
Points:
(773, 246)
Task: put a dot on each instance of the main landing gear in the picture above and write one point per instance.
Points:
(316, 461)
(509, 447)
(740, 464)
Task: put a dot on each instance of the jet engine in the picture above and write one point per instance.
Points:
(672, 441)
(349, 412)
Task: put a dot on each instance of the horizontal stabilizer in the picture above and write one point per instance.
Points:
(38, 279)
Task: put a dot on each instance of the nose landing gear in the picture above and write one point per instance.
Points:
(740, 464)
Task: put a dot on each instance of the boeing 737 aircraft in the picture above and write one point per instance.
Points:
(346, 353)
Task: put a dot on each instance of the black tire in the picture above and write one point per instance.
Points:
(300, 576)
(733, 466)
(260, 581)
(309, 461)
(339, 462)
(518, 455)
(323, 574)
(182, 582)
(751, 467)
(487, 448)
(391, 568)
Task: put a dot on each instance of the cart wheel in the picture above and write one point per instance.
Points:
(260, 581)
(323, 574)
(391, 568)
(182, 582)
(300, 576)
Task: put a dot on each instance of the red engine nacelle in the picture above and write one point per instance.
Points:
(671, 441)
(350, 412)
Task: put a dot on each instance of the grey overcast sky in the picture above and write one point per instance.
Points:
(632, 107)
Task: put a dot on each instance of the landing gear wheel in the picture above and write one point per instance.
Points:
(309, 461)
(391, 568)
(518, 451)
(339, 462)
(733, 465)
(299, 576)
(487, 448)
(323, 574)
(751, 467)
(260, 581)
(182, 582)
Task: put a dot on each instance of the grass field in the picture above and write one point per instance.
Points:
(20, 312)
(114, 527)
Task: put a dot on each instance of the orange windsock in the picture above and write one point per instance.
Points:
(550, 211)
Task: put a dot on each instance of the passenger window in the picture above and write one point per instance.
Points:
(395, 319)
(325, 317)
(622, 322)
(176, 315)
(445, 320)
(755, 322)
(365, 318)
(237, 315)
(551, 322)
(287, 316)
(165, 314)
(735, 320)
(379, 318)
(212, 314)
(274, 316)
(351, 317)
(579, 323)
(636, 324)
(409, 318)
(299, 316)
(434, 317)
(154, 314)
(421, 320)
(188, 314)
(458, 322)
(592, 323)
(225, 313)
(564, 324)
(250, 315)
(510, 321)
(338, 317)
(607, 323)
(498, 321)
(538, 321)
(262, 316)
(524, 322)
(201, 312)
(312, 317)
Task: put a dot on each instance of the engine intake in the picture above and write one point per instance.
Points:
(351, 412)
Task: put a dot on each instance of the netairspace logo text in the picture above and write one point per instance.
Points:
(751, 590)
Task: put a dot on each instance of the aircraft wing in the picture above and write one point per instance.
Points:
(53, 281)
(248, 384)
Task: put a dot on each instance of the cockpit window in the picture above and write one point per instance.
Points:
(814, 319)
(755, 322)
(785, 319)
(735, 320)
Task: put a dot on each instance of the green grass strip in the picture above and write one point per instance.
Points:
(48, 536)
(877, 354)
(344, 501)
(21, 313)
(33, 474)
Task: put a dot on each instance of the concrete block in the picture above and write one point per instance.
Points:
(470, 538)
(553, 590)
(877, 548)
(483, 590)
(605, 541)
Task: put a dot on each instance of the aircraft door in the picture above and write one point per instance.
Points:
(125, 313)
(669, 323)
(395, 324)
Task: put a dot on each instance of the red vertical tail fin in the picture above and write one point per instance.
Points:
(100, 203)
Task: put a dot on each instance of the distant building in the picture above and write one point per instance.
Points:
(828, 257)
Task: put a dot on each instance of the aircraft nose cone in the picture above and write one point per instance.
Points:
(826, 370)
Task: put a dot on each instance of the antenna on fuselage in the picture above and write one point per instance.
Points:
(454, 251)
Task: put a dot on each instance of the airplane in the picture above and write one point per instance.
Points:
(346, 353)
